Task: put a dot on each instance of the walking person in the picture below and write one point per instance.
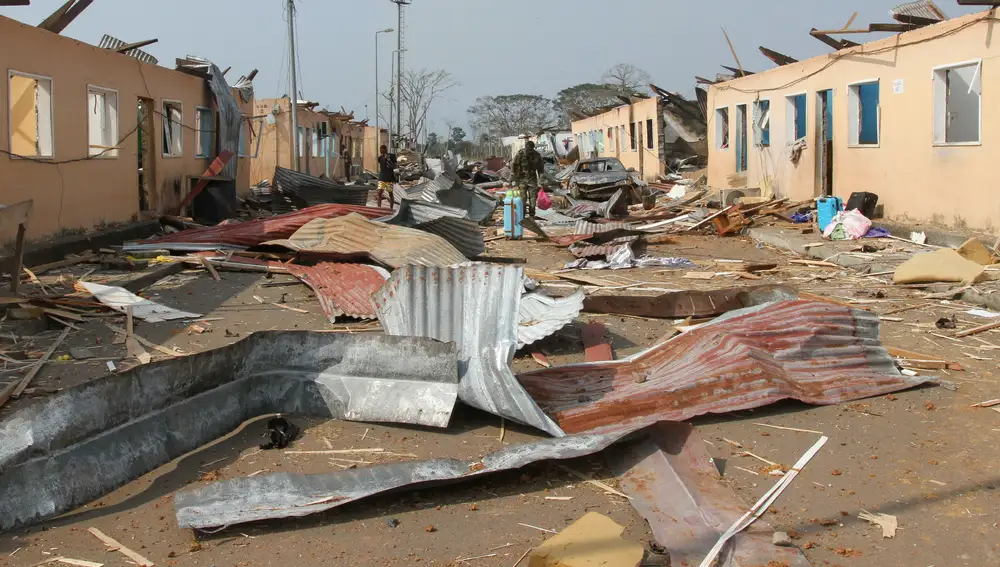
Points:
(527, 168)
(386, 175)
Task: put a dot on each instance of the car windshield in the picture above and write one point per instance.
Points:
(601, 166)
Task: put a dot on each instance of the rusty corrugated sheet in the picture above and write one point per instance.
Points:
(584, 250)
(354, 236)
(817, 353)
(342, 289)
(690, 303)
(258, 231)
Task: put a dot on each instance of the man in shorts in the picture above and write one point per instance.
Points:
(386, 174)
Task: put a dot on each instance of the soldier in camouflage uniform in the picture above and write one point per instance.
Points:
(528, 166)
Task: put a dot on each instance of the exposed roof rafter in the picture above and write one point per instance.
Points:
(64, 16)
(779, 59)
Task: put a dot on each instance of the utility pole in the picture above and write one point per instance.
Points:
(294, 102)
(399, 65)
(378, 126)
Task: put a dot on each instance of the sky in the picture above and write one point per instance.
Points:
(490, 47)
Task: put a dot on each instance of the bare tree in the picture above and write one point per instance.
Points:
(420, 90)
(512, 115)
(627, 79)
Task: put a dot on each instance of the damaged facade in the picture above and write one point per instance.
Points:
(648, 135)
(74, 143)
(905, 117)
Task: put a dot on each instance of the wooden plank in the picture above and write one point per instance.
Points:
(213, 170)
(15, 276)
(210, 268)
(113, 545)
(86, 257)
(979, 329)
(38, 365)
(145, 342)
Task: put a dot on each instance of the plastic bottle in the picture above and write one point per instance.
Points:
(513, 213)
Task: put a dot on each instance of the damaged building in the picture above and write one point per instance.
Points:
(905, 117)
(649, 135)
(102, 135)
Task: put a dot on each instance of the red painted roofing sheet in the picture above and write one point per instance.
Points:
(814, 352)
(258, 231)
(342, 289)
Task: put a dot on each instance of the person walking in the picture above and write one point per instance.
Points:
(386, 175)
(527, 168)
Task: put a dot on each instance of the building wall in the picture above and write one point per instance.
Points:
(87, 192)
(643, 158)
(915, 177)
(276, 148)
(372, 141)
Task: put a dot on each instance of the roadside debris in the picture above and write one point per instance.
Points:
(888, 523)
(592, 540)
(122, 300)
(280, 432)
(113, 545)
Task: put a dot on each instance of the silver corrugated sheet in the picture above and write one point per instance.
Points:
(447, 189)
(542, 315)
(586, 227)
(553, 217)
(477, 306)
(463, 234)
(114, 44)
(315, 191)
(86, 441)
(411, 213)
(230, 117)
(921, 9)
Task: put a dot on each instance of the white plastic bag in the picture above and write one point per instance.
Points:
(854, 224)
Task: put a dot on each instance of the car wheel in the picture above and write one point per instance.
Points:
(574, 190)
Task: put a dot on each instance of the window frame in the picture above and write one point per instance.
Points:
(198, 131)
(729, 128)
(633, 142)
(52, 115)
(934, 103)
(166, 118)
(854, 104)
(758, 133)
(791, 119)
(116, 134)
(246, 125)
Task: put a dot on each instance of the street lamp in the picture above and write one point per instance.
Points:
(378, 128)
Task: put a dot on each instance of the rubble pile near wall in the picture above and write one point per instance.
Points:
(419, 313)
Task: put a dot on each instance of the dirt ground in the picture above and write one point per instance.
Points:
(922, 455)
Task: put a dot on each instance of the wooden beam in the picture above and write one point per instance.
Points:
(893, 28)
(779, 59)
(843, 31)
(737, 72)
(704, 81)
(226, 71)
(836, 44)
(15, 2)
(54, 16)
(252, 74)
(851, 20)
(848, 43)
(915, 20)
(731, 48)
(67, 16)
(979, 2)
(136, 45)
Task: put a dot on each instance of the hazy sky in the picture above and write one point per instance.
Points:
(492, 47)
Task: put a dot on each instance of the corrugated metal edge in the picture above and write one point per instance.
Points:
(921, 9)
(342, 289)
(463, 234)
(542, 315)
(477, 306)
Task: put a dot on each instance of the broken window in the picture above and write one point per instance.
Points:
(250, 131)
(863, 112)
(611, 139)
(600, 141)
(762, 123)
(649, 134)
(30, 112)
(102, 122)
(173, 135)
(957, 104)
(631, 135)
(324, 140)
(796, 117)
(204, 123)
(302, 142)
(315, 142)
(722, 128)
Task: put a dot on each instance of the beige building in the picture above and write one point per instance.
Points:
(328, 141)
(71, 132)
(902, 117)
(374, 137)
(645, 135)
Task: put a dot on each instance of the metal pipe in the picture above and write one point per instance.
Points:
(294, 100)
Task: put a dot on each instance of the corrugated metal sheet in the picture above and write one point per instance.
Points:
(554, 217)
(542, 315)
(584, 250)
(477, 306)
(258, 231)
(354, 236)
(817, 353)
(673, 484)
(114, 44)
(342, 289)
(447, 189)
(463, 234)
(411, 213)
(586, 227)
(920, 9)
(316, 191)
(86, 441)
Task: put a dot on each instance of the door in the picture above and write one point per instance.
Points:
(824, 132)
(741, 138)
(147, 149)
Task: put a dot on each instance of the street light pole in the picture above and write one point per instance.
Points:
(378, 127)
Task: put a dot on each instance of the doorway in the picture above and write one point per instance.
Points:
(824, 133)
(741, 138)
(147, 147)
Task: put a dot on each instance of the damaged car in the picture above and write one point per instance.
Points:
(599, 178)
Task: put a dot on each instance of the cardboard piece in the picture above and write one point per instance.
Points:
(944, 265)
(592, 541)
(974, 251)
